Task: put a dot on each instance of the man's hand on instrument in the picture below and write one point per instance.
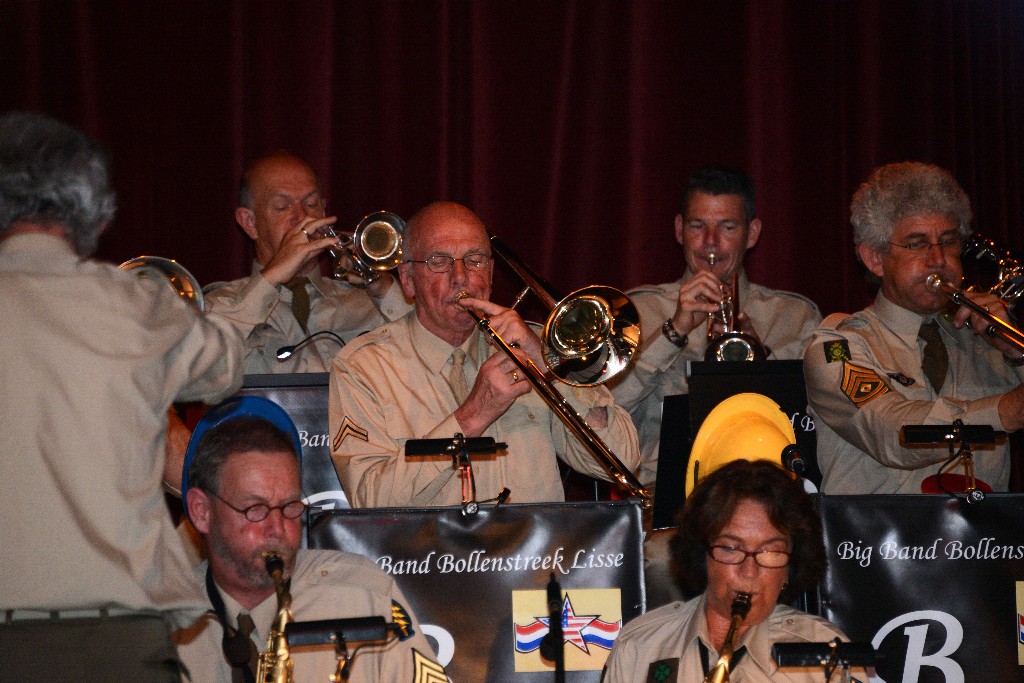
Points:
(507, 324)
(299, 247)
(498, 384)
(997, 309)
(697, 297)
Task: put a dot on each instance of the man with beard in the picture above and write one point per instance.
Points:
(901, 361)
(244, 496)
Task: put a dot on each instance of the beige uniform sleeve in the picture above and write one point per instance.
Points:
(850, 391)
(619, 435)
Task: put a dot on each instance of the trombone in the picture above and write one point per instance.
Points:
(997, 327)
(590, 336)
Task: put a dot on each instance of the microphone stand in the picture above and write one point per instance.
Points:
(459, 449)
(552, 646)
(956, 433)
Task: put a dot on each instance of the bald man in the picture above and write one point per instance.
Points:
(403, 381)
(281, 208)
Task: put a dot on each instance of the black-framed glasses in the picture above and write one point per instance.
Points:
(260, 511)
(769, 559)
(439, 263)
(920, 247)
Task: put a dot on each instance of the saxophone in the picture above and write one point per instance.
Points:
(740, 608)
(275, 664)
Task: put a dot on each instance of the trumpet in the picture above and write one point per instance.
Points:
(598, 328)
(731, 345)
(997, 327)
(739, 610)
(374, 247)
(275, 664)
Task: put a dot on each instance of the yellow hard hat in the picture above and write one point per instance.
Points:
(742, 427)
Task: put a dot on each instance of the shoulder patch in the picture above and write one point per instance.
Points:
(862, 384)
(426, 670)
(349, 428)
(663, 671)
(836, 350)
(402, 620)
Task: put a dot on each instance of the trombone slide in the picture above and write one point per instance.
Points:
(997, 327)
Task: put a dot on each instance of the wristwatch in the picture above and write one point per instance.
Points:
(670, 333)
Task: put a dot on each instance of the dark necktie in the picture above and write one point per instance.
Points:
(245, 628)
(300, 300)
(936, 359)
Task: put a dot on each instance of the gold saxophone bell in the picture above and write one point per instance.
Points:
(374, 247)
(171, 272)
(275, 664)
(740, 609)
(731, 345)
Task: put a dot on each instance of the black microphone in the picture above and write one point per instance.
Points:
(820, 654)
(285, 352)
(328, 631)
(551, 644)
(793, 459)
(944, 434)
(476, 445)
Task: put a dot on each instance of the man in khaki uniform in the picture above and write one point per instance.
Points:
(432, 374)
(94, 575)
(718, 219)
(281, 208)
(870, 373)
(245, 498)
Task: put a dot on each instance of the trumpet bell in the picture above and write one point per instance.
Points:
(591, 335)
(170, 271)
(378, 239)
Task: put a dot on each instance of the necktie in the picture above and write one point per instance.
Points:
(300, 300)
(245, 629)
(457, 376)
(936, 358)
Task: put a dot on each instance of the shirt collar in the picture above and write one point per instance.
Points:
(901, 321)
(757, 639)
(35, 241)
(315, 278)
(435, 352)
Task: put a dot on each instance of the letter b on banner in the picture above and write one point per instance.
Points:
(917, 636)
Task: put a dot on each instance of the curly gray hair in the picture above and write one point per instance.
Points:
(895, 191)
(51, 172)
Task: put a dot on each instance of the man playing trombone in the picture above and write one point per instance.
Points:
(432, 374)
(285, 300)
(902, 361)
(716, 228)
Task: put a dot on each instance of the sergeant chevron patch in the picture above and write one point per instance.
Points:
(862, 384)
(349, 428)
(426, 670)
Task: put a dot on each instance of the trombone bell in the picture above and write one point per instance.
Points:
(591, 335)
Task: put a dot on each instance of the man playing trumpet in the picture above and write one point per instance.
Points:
(282, 209)
(716, 228)
(901, 361)
(432, 374)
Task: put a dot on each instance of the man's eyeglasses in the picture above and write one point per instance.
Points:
(919, 247)
(442, 264)
(769, 559)
(260, 511)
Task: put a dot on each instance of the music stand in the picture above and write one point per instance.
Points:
(711, 383)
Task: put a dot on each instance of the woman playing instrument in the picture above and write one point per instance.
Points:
(748, 535)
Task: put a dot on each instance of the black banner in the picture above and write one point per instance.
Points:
(477, 583)
(933, 583)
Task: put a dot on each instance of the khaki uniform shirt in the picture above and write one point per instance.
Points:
(782, 320)
(387, 387)
(665, 640)
(93, 357)
(864, 382)
(263, 315)
(327, 584)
